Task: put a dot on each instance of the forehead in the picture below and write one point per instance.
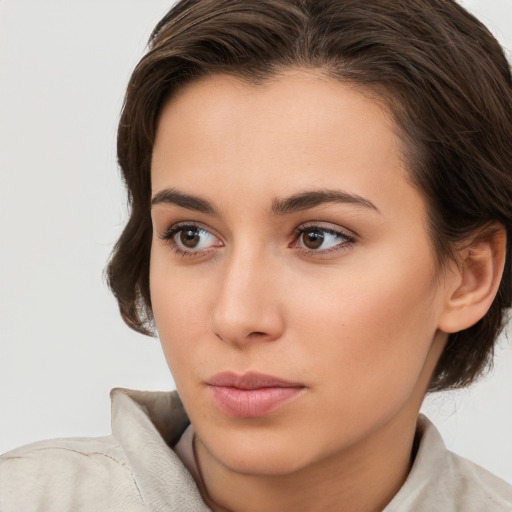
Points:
(295, 131)
(286, 103)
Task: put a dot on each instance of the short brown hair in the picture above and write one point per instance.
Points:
(440, 72)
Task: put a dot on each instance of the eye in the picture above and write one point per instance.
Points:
(321, 239)
(190, 239)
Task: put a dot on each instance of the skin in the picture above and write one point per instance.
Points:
(357, 321)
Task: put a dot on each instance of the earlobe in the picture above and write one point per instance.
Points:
(474, 284)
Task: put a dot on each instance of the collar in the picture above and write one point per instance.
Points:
(146, 425)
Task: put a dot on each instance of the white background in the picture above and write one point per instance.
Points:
(63, 69)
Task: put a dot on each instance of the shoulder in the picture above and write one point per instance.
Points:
(72, 474)
(442, 480)
(475, 487)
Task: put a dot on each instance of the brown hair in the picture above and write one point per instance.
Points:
(441, 73)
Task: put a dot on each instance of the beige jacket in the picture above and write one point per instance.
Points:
(135, 470)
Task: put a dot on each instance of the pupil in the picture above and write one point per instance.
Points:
(313, 239)
(189, 238)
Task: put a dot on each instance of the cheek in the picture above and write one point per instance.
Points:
(177, 303)
(370, 330)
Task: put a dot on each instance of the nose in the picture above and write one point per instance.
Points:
(247, 307)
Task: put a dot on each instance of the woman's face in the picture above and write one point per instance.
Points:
(293, 285)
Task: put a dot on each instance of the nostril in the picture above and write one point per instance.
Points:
(254, 334)
(243, 323)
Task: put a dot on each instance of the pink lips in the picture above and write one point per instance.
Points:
(251, 395)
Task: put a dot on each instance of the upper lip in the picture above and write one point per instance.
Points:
(250, 380)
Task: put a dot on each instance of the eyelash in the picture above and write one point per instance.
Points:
(169, 235)
(346, 242)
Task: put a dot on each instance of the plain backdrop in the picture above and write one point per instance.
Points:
(64, 65)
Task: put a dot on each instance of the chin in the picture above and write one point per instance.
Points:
(259, 457)
(262, 464)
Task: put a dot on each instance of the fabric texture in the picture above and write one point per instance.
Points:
(135, 469)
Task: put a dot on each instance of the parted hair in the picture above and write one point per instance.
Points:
(441, 74)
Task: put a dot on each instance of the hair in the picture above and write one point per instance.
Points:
(440, 72)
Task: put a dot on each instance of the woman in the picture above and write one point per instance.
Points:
(319, 233)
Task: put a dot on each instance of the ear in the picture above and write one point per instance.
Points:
(473, 284)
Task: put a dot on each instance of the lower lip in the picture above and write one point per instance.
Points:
(252, 403)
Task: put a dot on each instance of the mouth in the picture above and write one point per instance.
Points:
(251, 395)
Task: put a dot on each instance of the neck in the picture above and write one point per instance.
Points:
(362, 478)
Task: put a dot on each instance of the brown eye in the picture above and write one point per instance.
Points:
(312, 239)
(190, 238)
(319, 239)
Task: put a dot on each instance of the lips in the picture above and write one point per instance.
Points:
(251, 395)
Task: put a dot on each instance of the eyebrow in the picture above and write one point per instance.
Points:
(310, 199)
(190, 202)
(292, 204)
